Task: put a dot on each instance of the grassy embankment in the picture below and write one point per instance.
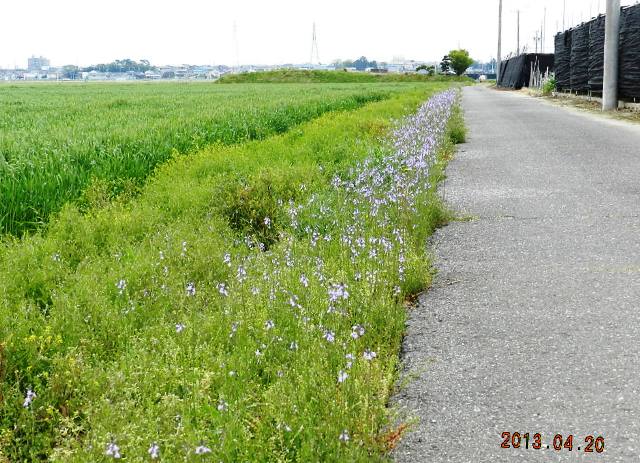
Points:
(312, 76)
(56, 139)
(162, 319)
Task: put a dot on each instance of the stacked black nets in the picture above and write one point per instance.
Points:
(516, 72)
(503, 71)
(629, 77)
(579, 63)
(596, 53)
(580, 58)
(510, 72)
(563, 60)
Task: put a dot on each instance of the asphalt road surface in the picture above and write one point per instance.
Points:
(533, 322)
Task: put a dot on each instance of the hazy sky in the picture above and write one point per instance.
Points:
(269, 32)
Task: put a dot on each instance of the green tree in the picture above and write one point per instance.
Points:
(363, 63)
(445, 65)
(460, 61)
(431, 70)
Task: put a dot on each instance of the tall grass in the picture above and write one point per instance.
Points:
(246, 306)
(56, 139)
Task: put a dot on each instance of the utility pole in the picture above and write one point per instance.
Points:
(518, 32)
(499, 40)
(564, 14)
(536, 40)
(544, 29)
(611, 40)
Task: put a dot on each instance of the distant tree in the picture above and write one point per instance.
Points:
(430, 69)
(460, 61)
(445, 64)
(361, 63)
(123, 65)
(70, 72)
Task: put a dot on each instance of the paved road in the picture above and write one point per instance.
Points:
(533, 323)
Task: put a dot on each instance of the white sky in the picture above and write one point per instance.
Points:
(86, 32)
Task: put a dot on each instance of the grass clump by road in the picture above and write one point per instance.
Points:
(317, 76)
(57, 139)
(246, 306)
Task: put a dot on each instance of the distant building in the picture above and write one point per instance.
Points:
(38, 64)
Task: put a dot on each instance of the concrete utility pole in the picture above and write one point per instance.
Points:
(518, 33)
(611, 40)
(544, 30)
(499, 40)
(564, 14)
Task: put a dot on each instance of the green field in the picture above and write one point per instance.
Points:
(248, 301)
(56, 139)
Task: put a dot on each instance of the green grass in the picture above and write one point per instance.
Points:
(301, 76)
(106, 361)
(57, 139)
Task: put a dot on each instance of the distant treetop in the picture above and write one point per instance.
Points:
(122, 65)
(460, 61)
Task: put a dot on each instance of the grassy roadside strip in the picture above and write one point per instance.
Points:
(234, 306)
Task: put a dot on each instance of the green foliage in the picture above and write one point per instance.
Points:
(457, 128)
(55, 139)
(431, 70)
(363, 63)
(297, 76)
(549, 86)
(122, 65)
(445, 64)
(460, 61)
(89, 309)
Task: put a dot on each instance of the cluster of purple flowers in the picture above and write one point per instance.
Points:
(376, 193)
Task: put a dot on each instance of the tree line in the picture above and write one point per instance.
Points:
(119, 65)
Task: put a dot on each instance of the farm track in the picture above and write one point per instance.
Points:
(532, 324)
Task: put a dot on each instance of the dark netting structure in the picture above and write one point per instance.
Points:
(516, 72)
(629, 76)
(563, 61)
(596, 54)
(579, 61)
(580, 56)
